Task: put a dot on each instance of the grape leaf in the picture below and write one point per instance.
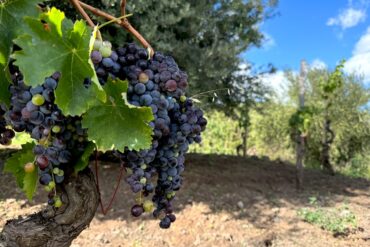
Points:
(4, 84)
(56, 44)
(11, 25)
(116, 124)
(83, 162)
(30, 184)
(15, 165)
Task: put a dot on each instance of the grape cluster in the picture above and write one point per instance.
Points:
(59, 138)
(157, 83)
(6, 135)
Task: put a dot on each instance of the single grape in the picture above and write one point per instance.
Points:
(143, 78)
(148, 206)
(45, 179)
(56, 129)
(58, 203)
(42, 161)
(29, 167)
(137, 210)
(171, 85)
(96, 57)
(105, 51)
(140, 88)
(165, 223)
(98, 44)
(38, 100)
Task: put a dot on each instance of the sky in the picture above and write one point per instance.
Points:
(320, 31)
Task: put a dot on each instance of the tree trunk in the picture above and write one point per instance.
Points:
(56, 228)
(245, 138)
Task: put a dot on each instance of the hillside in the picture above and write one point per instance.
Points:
(225, 201)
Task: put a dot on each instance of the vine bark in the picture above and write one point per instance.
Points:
(56, 228)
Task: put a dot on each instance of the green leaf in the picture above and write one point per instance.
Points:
(83, 162)
(30, 184)
(59, 45)
(4, 84)
(11, 25)
(15, 164)
(116, 124)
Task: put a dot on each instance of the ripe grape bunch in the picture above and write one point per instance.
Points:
(157, 83)
(160, 84)
(59, 138)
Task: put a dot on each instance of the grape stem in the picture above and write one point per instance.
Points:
(124, 23)
(114, 20)
(103, 209)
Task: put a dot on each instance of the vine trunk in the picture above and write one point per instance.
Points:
(56, 228)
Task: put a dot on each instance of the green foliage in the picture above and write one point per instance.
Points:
(301, 120)
(222, 135)
(21, 138)
(12, 24)
(270, 133)
(69, 54)
(358, 167)
(15, 165)
(83, 162)
(330, 85)
(115, 124)
(30, 184)
(336, 220)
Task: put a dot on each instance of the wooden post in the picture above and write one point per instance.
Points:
(300, 136)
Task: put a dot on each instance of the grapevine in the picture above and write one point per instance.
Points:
(84, 95)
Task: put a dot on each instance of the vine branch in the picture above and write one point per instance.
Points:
(123, 7)
(77, 5)
(124, 23)
(103, 209)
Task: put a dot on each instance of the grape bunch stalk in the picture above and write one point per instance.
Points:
(157, 83)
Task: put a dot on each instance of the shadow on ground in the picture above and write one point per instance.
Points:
(229, 184)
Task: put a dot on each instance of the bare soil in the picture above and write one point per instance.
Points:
(225, 201)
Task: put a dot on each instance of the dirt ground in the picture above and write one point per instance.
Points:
(225, 201)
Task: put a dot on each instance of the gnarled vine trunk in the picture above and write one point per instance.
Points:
(325, 153)
(56, 228)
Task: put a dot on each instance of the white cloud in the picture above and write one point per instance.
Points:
(278, 82)
(359, 63)
(268, 42)
(318, 64)
(348, 18)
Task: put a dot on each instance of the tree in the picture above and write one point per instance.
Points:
(207, 38)
(75, 95)
(344, 110)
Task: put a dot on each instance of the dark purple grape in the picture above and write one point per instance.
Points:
(42, 161)
(96, 57)
(45, 179)
(137, 210)
(165, 223)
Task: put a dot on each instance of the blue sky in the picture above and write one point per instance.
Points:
(322, 32)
